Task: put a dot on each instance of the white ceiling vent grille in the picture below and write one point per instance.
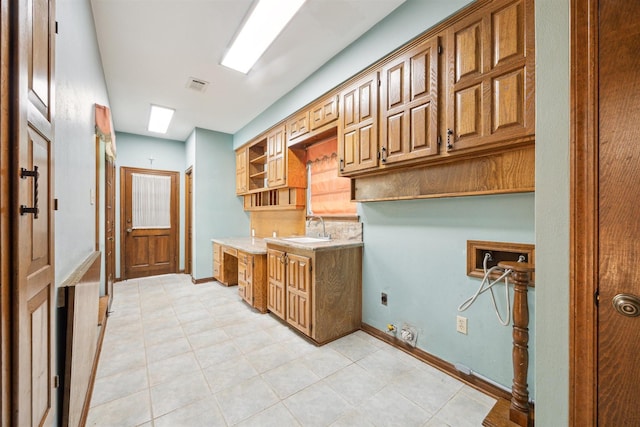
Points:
(198, 85)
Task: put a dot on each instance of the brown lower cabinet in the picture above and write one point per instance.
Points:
(317, 292)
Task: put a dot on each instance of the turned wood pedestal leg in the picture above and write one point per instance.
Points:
(519, 411)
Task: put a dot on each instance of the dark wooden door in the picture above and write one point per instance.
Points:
(109, 226)
(31, 208)
(619, 217)
(148, 249)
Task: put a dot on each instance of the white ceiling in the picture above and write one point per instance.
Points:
(150, 49)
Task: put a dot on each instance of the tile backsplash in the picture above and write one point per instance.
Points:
(339, 230)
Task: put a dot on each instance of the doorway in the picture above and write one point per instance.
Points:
(148, 222)
(605, 228)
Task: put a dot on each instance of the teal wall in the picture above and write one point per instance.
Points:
(552, 211)
(79, 85)
(218, 212)
(135, 151)
(415, 252)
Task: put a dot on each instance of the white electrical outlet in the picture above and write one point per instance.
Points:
(461, 325)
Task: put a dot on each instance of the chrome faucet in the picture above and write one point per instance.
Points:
(317, 217)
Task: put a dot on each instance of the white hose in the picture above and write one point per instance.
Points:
(482, 289)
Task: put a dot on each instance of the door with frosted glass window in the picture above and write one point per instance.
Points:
(149, 222)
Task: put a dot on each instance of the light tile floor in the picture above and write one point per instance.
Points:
(178, 354)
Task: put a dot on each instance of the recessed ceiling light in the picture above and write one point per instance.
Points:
(264, 24)
(159, 119)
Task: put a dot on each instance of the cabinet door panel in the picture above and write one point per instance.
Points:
(468, 51)
(358, 126)
(508, 100)
(508, 34)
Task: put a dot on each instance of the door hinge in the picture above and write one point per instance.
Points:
(56, 27)
(56, 381)
(439, 49)
(439, 140)
(596, 297)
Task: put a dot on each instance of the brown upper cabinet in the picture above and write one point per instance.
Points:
(358, 125)
(488, 100)
(298, 126)
(462, 90)
(409, 105)
(490, 58)
(310, 122)
(276, 158)
(323, 112)
(242, 180)
(267, 164)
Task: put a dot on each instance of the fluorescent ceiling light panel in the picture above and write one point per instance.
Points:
(159, 119)
(266, 21)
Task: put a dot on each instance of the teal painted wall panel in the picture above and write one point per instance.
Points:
(79, 85)
(218, 211)
(415, 252)
(553, 48)
(135, 151)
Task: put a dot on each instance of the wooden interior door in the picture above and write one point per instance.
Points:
(31, 208)
(619, 221)
(188, 220)
(109, 226)
(147, 251)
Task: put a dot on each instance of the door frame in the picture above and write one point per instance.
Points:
(583, 318)
(188, 220)
(175, 214)
(6, 316)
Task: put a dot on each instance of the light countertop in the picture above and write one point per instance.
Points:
(251, 245)
(257, 245)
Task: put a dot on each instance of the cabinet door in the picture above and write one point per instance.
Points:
(248, 278)
(217, 259)
(276, 286)
(241, 171)
(277, 158)
(358, 126)
(298, 283)
(490, 99)
(409, 105)
(324, 112)
(298, 125)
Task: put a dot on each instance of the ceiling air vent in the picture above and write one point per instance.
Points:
(198, 85)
